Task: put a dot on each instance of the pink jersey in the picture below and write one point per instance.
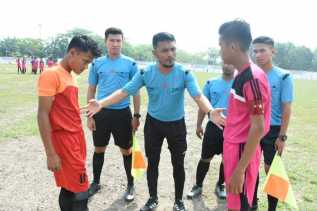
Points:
(50, 63)
(18, 63)
(35, 64)
(250, 95)
(23, 64)
(41, 64)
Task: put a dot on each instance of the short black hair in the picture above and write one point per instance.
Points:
(85, 44)
(264, 40)
(113, 30)
(162, 36)
(237, 30)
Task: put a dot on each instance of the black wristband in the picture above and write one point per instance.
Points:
(138, 116)
(208, 114)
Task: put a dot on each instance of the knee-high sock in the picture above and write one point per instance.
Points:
(202, 169)
(127, 160)
(97, 163)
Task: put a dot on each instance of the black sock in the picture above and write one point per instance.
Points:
(97, 163)
(65, 200)
(127, 160)
(221, 177)
(201, 172)
(272, 203)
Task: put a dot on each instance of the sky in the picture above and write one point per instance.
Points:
(194, 23)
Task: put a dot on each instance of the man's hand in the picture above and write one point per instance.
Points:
(91, 124)
(235, 185)
(91, 108)
(217, 117)
(53, 163)
(135, 124)
(199, 132)
(279, 146)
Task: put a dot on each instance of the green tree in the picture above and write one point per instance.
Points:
(56, 46)
(143, 53)
(30, 47)
(9, 47)
(289, 56)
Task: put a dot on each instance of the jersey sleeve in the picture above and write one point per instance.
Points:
(133, 86)
(206, 90)
(134, 70)
(254, 93)
(93, 75)
(48, 84)
(192, 85)
(287, 89)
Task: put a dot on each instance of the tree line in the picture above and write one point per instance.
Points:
(288, 56)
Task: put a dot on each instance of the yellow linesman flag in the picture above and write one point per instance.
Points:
(138, 162)
(277, 183)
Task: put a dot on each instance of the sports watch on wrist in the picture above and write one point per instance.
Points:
(138, 116)
(283, 137)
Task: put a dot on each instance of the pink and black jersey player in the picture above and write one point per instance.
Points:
(23, 63)
(50, 62)
(248, 116)
(41, 65)
(19, 65)
(35, 65)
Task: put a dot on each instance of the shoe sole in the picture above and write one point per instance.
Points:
(194, 196)
(219, 197)
(90, 195)
(128, 200)
(153, 209)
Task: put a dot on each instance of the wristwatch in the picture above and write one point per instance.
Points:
(283, 137)
(138, 116)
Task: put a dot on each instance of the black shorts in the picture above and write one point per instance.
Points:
(212, 141)
(155, 131)
(268, 144)
(116, 122)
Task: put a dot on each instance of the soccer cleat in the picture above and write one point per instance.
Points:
(195, 192)
(93, 189)
(129, 194)
(150, 205)
(220, 191)
(179, 206)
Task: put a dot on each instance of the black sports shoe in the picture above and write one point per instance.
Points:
(195, 192)
(129, 193)
(150, 205)
(179, 206)
(93, 189)
(220, 191)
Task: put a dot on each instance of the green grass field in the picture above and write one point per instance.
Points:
(18, 107)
